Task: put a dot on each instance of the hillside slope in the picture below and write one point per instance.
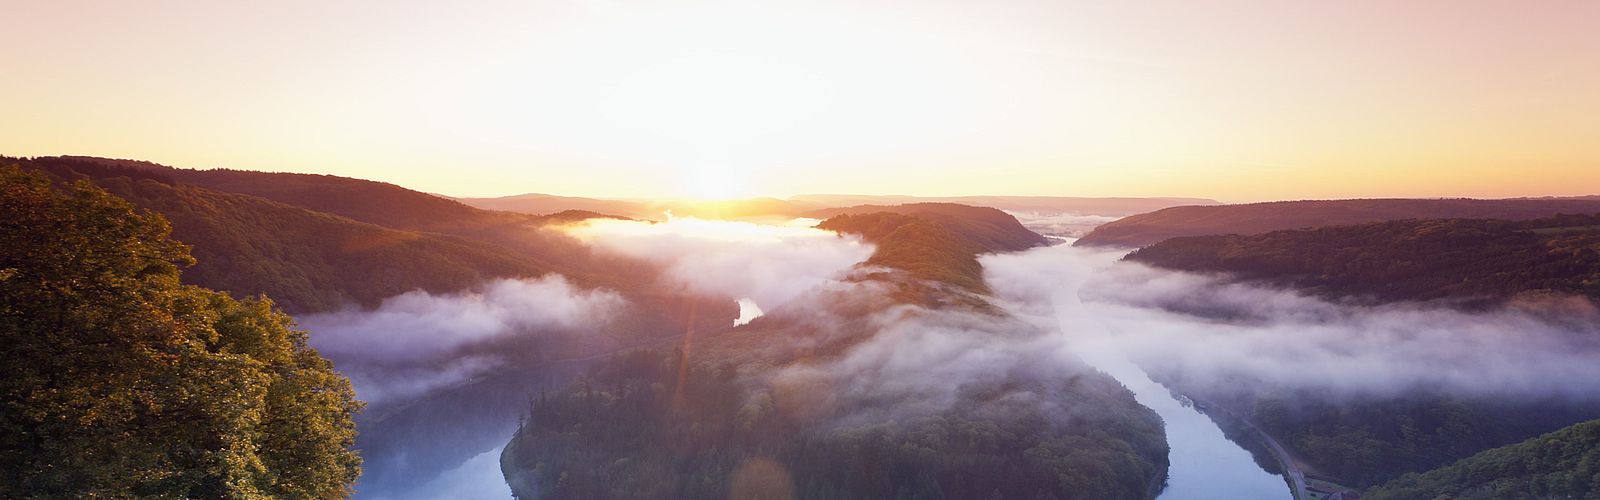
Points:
(311, 261)
(1456, 259)
(374, 202)
(1149, 228)
(307, 261)
(1561, 464)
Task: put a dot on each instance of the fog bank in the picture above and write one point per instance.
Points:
(769, 264)
(1216, 333)
(410, 344)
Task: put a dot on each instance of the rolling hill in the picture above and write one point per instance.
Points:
(1149, 228)
(1561, 464)
(1408, 260)
(990, 229)
(368, 241)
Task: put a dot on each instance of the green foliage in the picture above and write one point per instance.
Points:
(1459, 259)
(1561, 464)
(122, 382)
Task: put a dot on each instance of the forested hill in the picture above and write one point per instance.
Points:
(1149, 228)
(991, 229)
(1561, 464)
(360, 199)
(309, 260)
(1456, 259)
(934, 242)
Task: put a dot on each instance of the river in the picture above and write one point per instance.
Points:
(1204, 464)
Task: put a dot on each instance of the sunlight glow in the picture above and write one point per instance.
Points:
(697, 229)
(715, 183)
(715, 98)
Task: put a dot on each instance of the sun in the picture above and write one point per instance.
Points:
(715, 183)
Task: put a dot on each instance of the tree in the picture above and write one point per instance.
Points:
(120, 381)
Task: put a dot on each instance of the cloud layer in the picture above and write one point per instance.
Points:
(770, 264)
(411, 343)
(1220, 333)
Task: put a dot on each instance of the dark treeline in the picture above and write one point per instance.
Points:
(1416, 260)
(1256, 218)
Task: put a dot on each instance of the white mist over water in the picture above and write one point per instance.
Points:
(410, 344)
(748, 311)
(770, 264)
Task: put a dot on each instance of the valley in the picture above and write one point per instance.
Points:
(937, 341)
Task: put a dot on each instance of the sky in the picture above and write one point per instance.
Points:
(1229, 99)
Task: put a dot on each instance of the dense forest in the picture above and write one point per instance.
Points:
(1414, 260)
(733, 418)
(1561, 464)
(122, 382)
(1255, 218)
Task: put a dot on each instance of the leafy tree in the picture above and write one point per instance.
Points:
(120, 381)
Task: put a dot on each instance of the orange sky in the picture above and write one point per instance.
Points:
(1235, 100)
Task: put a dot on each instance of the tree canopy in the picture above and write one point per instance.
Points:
(121, 381)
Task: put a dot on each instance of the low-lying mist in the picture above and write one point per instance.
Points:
(1216, 333)
(417, 342)
(412, 342)
(767, 263)
(1060, 306)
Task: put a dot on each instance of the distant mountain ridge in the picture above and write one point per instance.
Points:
(1113, 206)
(795, 206)
(1254, 218)
(542, 204)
